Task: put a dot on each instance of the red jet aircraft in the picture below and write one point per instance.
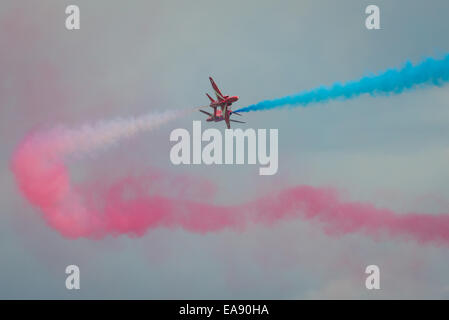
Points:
(224, 113)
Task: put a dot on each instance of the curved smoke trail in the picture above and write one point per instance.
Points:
(42, 176)
(393, 81)
(133, 205)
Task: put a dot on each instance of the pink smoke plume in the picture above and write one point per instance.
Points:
(133, 205)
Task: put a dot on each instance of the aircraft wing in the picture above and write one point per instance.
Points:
(209, 114)
(237, 121)
(217, 91)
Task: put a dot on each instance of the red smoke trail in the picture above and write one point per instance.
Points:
(134, 205)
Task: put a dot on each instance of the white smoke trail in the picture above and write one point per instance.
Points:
(85, 139)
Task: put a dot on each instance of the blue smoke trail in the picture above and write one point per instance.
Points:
(392, 81)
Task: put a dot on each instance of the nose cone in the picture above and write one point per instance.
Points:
(236, 98)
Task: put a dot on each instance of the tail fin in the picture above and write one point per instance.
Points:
(210, 98)
(227, 117)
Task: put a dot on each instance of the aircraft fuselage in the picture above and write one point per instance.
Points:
(227, 101)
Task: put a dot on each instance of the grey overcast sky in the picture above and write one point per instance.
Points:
(134, 57)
